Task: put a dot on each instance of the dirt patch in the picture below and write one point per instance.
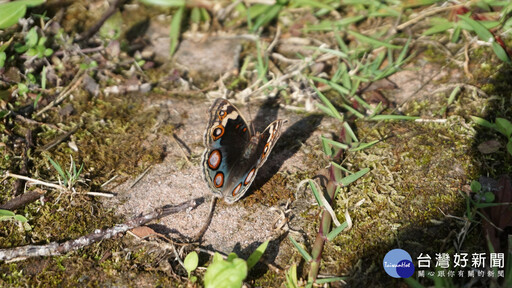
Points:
(234, 227)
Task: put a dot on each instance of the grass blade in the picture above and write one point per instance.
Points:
(336, 231)
(328, 104)
(302, 252)
(256, 255)
(372, 41)
(393, 117)
(174, 33)
(312, 185)
(483, 122)
(363, 146)
(353, 177)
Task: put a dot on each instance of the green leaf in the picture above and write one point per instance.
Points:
(483, 122)
(332, 147)
(509, 146)
(22, 88)
(336, 231)
(191, 261)
(291, 277)
(270, 13)
(6, 213)
(302, 252)
(417, 3)
(225, 274)
(174, 33)
(43, 78)
(393, 117)
(256, 255)
(333, 112)
(362, 146)
(353, 177)
(350, 132)
(500, 52)
(483, 33)
(337, 53)
(48, 52)
(32, 52)
(504, 127)
(20, 218)
(338, 171)
(165, 3)
(59, 169)
(261, 63)
(315, 193)
(315, 4)
(6, 45)
(489, 197)
(327, 25)
(353, 111)
(374, 42)
(10, 13)
(456, 34)
(195, 15)
(475, 186)
(329, 280)
(3, 56)
(232, 256)
(438, 28)
(31, 37)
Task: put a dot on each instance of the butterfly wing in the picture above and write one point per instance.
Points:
(242, 176)
(225, 137)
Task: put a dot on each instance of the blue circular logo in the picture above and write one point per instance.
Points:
(398, 264)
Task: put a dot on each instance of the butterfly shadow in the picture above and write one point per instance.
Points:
(290, 142)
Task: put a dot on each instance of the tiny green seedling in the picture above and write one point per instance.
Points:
(230, 273)
(6, 215)
(190, 263)
(71, 177)
(34, 45)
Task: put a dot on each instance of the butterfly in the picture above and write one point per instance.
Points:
(233, 153)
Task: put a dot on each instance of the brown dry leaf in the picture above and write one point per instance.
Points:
(143, 232)
(489, 147)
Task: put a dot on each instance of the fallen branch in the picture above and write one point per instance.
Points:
(22, 200)
(54, 248)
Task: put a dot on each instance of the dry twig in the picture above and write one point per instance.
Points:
(55, 248)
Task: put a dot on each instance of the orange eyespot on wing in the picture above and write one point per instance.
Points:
(214, 159)
(236, 190)
(265, 150)
(217, 132)
(218, 180)
(250, 176)
(222, 114)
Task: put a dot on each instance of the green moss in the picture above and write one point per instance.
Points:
(113, 138)
(114, 262)
(406, 188)
(269, 279)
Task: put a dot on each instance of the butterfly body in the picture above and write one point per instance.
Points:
(233, 154)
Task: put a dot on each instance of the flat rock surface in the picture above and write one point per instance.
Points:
(234, 227)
